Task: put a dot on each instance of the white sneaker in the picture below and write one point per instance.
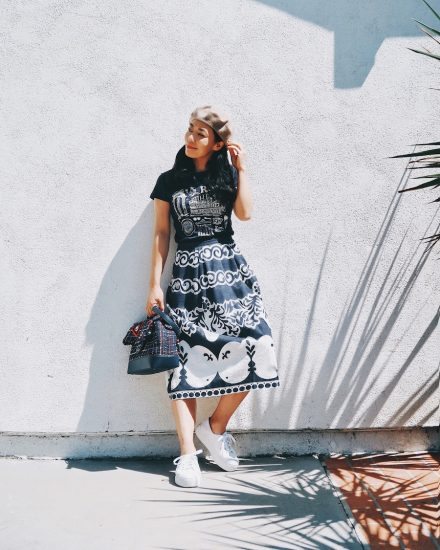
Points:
(221, 446)
(188, 472)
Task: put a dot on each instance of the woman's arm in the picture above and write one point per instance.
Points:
(159, 252)
(243, 204)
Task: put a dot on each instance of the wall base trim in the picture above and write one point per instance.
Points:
(158, 444)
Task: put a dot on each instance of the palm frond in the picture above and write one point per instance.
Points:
(432, 9)
(430, 158)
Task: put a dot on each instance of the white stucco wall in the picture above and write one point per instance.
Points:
(95, 101)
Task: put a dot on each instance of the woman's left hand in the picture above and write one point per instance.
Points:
(238, 155)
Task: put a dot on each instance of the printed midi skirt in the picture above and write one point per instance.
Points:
(226, 341)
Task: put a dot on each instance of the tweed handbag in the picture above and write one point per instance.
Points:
(153, 344)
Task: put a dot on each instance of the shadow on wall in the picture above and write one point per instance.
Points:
(359, 29)
(349, 375)
(114, 400)
(336, 389)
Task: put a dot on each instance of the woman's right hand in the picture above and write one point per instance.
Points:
(155, 297)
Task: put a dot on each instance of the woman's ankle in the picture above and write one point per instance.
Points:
(216, 428)
(188, 448)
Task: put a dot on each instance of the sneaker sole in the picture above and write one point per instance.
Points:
(189, 484)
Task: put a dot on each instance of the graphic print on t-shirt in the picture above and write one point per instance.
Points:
(199, 213)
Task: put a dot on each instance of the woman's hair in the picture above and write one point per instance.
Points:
(220, 172)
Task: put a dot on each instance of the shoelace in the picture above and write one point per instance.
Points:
(228, 441)
(185, 461)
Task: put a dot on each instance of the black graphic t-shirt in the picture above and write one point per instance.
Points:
(196, 214)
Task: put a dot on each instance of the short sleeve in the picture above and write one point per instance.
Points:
(160, 190)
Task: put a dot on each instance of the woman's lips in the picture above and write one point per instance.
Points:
(190, 147)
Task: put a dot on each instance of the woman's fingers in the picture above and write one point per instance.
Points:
(234, 144)
(155, 302)
(149, 309)
(236, 150)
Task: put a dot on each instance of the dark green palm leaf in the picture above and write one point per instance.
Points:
(432, 9)
(425, 53)
(435, 31)
(419, 154)
(430, 158)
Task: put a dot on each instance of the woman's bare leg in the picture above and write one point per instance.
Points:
(184, 412)
(226, 407)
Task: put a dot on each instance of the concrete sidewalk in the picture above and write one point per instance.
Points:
(130, 504)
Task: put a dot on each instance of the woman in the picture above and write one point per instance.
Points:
(225, 347)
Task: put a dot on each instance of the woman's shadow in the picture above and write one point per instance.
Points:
(115, 401)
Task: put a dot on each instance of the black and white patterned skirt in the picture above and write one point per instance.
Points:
(226, 341)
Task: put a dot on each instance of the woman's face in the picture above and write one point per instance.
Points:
(200, 140)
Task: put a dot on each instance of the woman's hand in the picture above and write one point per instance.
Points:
(243, 200)
(155, 297)
(238, 155)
